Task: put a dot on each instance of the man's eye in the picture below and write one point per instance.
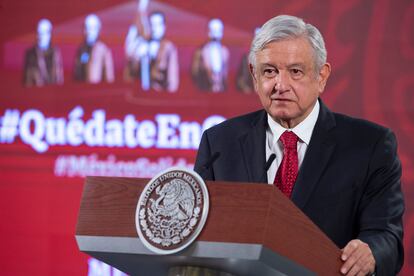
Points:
(296, 72)
(269, 72)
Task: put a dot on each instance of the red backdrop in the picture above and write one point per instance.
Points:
(370, 47)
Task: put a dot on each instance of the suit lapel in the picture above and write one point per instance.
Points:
(317, 157)
(253, 150)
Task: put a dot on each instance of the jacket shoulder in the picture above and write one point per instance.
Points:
(365, 131)
(358, 123)
(239, 125)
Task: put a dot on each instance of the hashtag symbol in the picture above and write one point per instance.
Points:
(60, 166)
(9, 125)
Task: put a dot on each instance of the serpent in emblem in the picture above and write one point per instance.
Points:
(176, 200)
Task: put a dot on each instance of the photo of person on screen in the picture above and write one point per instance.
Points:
(43, 62)
(244, 81)
(209, 68)
(94, 61)
(150, 56)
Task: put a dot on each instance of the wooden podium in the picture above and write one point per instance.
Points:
(251, 229)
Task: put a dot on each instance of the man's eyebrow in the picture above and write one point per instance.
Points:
(266, 64)
(299, 64)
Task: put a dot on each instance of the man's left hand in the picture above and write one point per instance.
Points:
(358, 259)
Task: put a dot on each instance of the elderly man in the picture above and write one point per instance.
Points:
(344, 173)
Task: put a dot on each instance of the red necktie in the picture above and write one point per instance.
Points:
(288, 169)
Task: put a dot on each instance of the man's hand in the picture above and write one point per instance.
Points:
(358, 259)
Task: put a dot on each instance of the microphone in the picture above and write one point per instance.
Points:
(209, 163)
(267, 165)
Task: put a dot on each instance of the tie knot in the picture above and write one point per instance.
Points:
(289, 139)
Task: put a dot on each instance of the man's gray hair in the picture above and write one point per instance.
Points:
(284, 27)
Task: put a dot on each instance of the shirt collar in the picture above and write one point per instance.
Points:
(303, 130)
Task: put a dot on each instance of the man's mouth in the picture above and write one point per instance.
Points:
(280, 99)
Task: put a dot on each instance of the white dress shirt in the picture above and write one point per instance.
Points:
(273, 145)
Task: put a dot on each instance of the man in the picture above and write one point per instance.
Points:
(344, 173)
(43, 62)
(154, 60)
(244, 81)
(94, 62)
(209, 68)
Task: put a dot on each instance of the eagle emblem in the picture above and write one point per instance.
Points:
(171, 210)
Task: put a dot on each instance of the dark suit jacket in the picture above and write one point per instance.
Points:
(348, 184)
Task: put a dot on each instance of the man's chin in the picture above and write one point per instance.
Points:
(281, 115)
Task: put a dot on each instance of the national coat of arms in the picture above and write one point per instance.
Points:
(172, 210)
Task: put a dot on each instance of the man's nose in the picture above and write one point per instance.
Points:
(282, 82)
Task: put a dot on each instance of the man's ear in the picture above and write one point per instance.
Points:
(253, 74)
(323, 76)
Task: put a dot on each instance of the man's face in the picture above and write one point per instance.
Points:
(92, 29)
(287, 81)
(44, 34)
(157, 26)
(215, 29)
